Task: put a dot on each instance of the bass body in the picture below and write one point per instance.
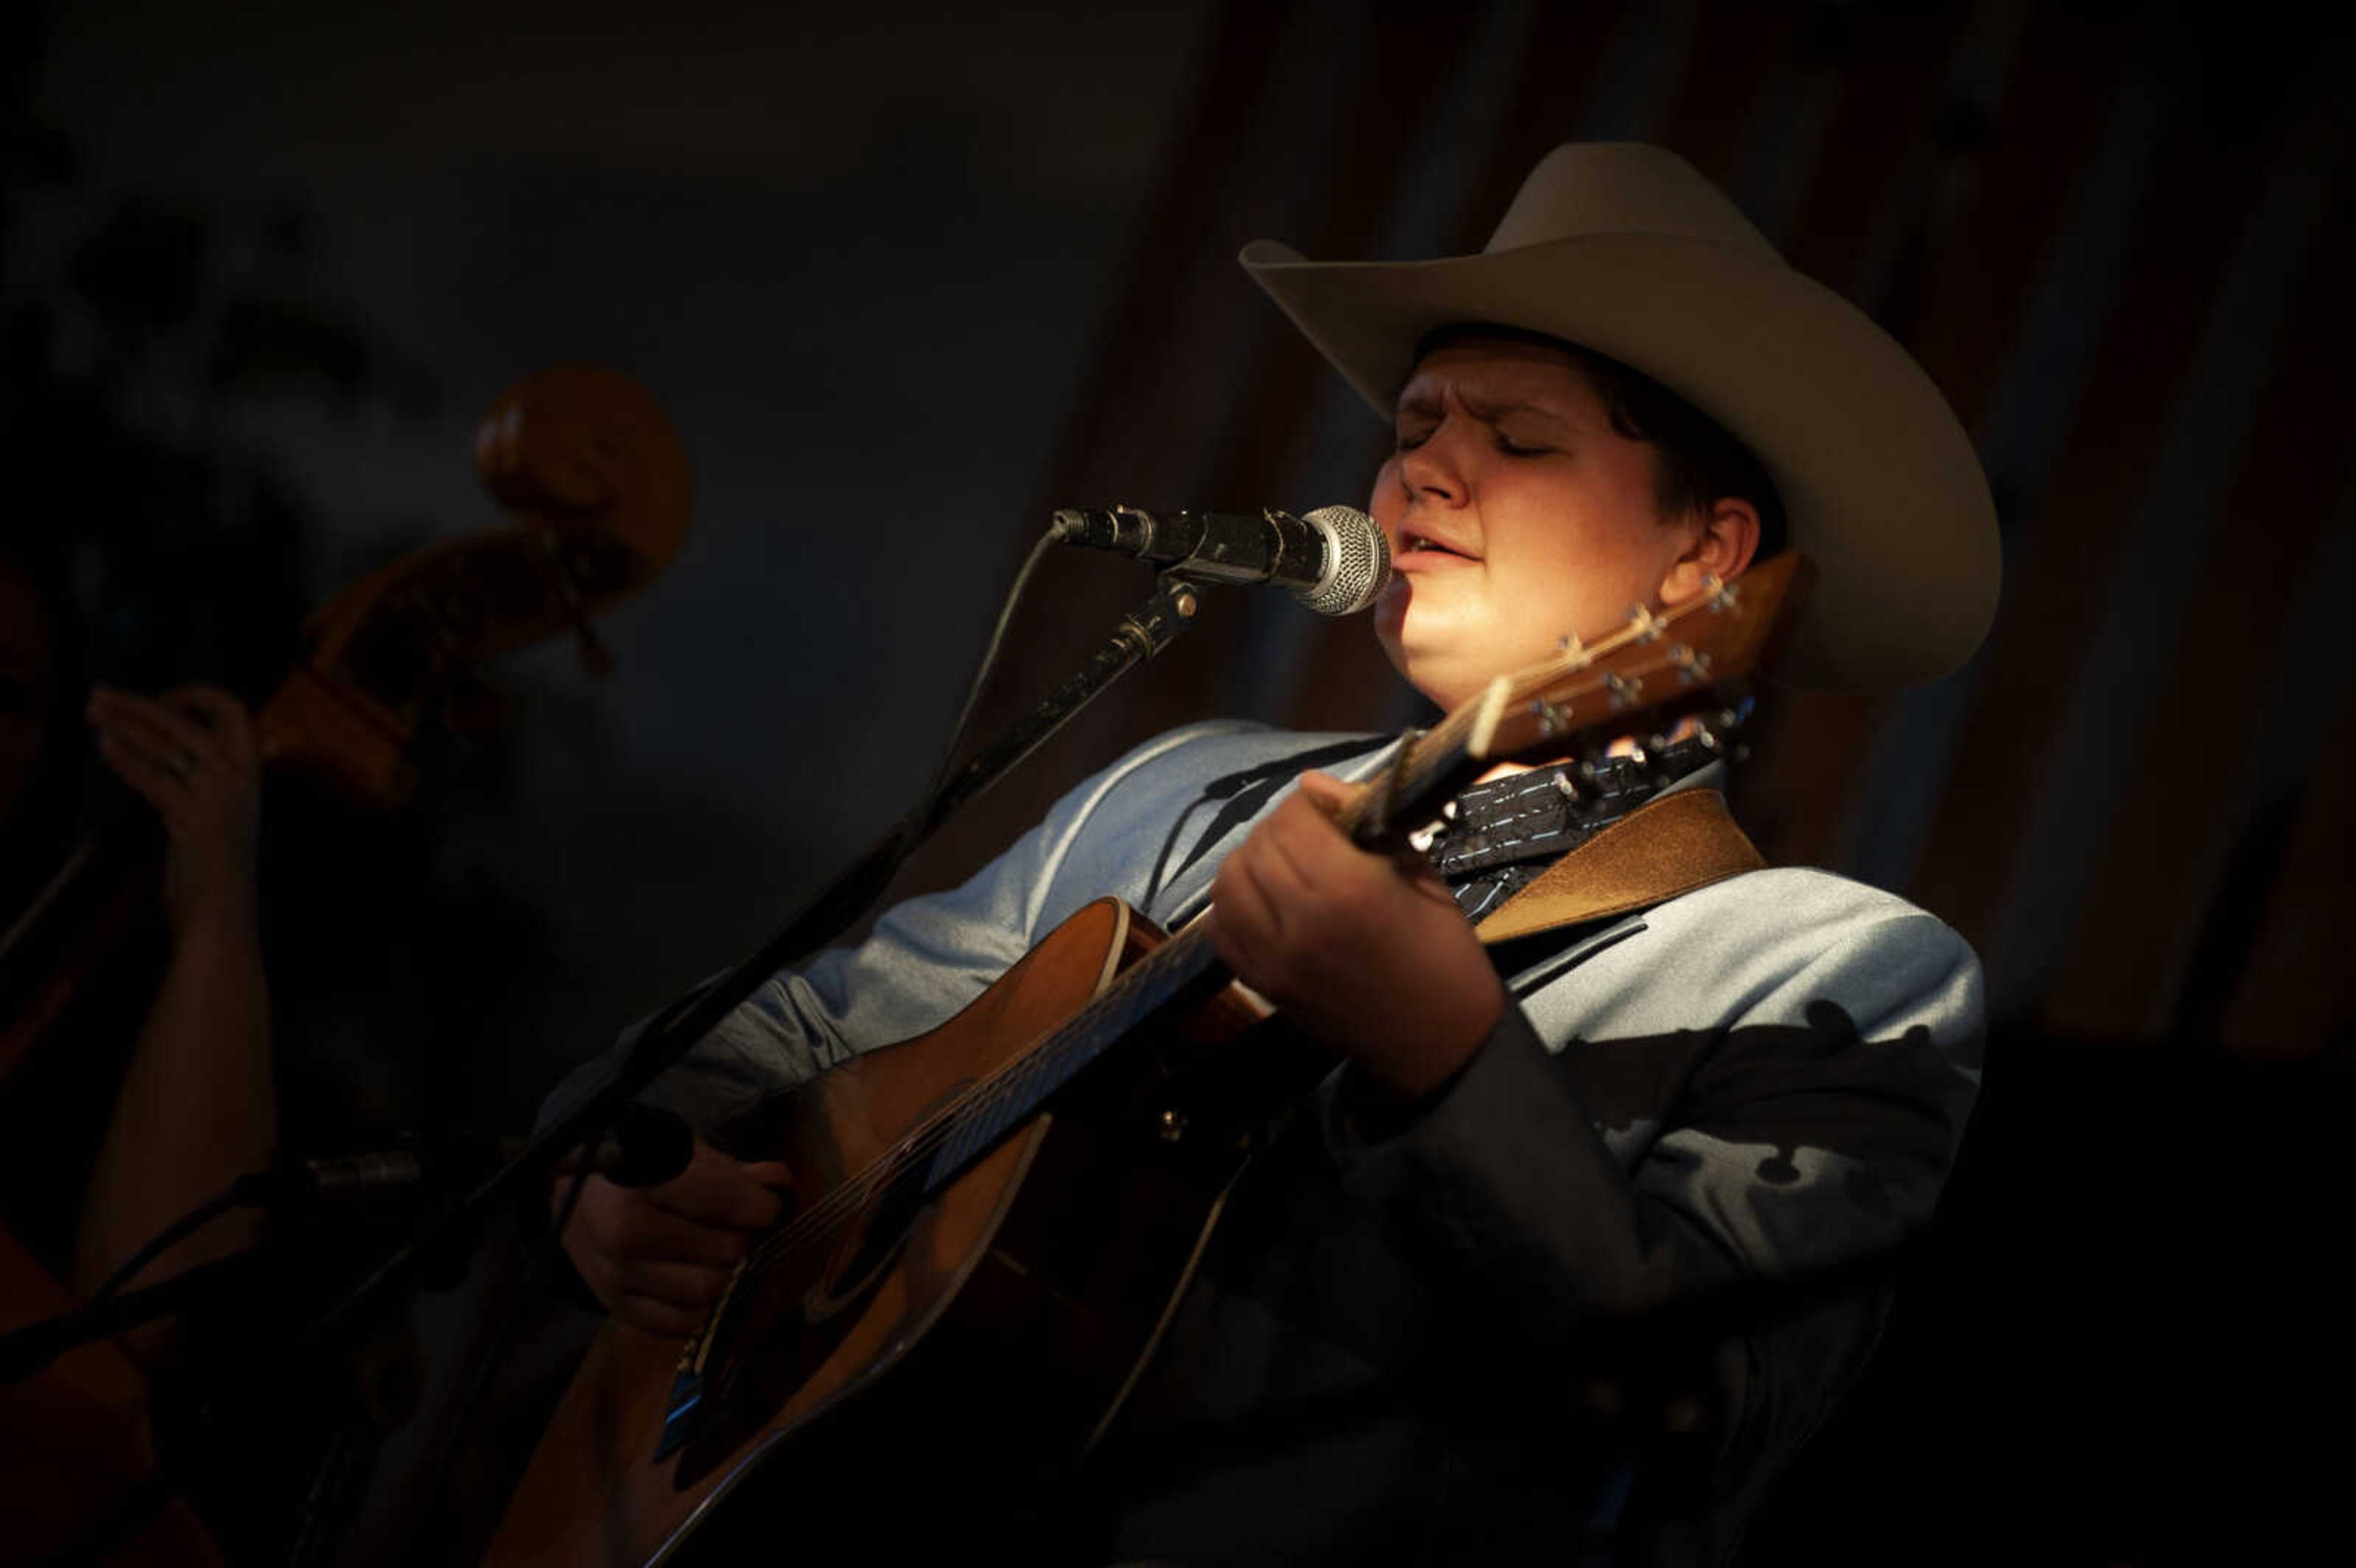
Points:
(1001, 1316)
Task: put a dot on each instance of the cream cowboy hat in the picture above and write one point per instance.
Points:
(1627, 250)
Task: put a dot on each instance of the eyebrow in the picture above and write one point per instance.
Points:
(1487, 414)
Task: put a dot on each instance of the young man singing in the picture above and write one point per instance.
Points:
(1399, 1344)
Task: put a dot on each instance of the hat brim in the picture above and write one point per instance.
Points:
(1883, 490)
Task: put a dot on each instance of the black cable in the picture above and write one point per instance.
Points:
(245, 1192)
(989, 663)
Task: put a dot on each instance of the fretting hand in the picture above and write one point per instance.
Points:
(1367, 953)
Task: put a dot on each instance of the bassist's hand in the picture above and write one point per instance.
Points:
(659, 1256)
(193, 754)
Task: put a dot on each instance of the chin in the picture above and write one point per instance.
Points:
(1434, 684)
(1423, 669)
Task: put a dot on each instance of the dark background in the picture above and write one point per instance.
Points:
(905, 277)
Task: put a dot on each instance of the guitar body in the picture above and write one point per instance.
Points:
(1030, 1287)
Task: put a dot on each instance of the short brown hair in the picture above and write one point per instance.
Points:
(1697, 459)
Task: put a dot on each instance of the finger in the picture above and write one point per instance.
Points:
(714, 1190)
(674, 1284)
(1307, 855)
(160, 785)
(631, 1228)
(222, 717)
(656, 1316)
(772, 1174)
(1329, 794)
(1276, 875)
(1231, 936)
(1309, 903)
(170, 738)
(1417, 870)
(1244, 925)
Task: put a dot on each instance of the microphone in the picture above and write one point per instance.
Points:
(1333, 559)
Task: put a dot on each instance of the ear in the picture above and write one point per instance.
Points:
(1724, 539)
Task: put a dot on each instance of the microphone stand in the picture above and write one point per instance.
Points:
(1139, 635)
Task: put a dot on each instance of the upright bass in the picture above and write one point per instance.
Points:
(596, 488)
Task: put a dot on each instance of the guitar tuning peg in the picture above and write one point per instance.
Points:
(1554, 718)
(1723, 595)
(1644, 624)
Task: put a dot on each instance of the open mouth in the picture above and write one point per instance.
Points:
(1412, 543)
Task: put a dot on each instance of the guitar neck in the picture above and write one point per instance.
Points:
(1181, 965)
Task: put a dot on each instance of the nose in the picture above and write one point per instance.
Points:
(1435, 470)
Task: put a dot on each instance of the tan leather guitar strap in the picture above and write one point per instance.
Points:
(1672, 845)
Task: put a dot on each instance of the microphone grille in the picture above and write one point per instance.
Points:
(1357, 561)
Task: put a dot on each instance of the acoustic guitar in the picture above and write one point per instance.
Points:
(1003, 1214)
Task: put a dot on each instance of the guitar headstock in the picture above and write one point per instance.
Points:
(1653, 660)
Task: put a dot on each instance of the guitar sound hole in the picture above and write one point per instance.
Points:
(870, 1247)
(791, 1319)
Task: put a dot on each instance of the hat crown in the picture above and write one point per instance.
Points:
(1621, 188)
